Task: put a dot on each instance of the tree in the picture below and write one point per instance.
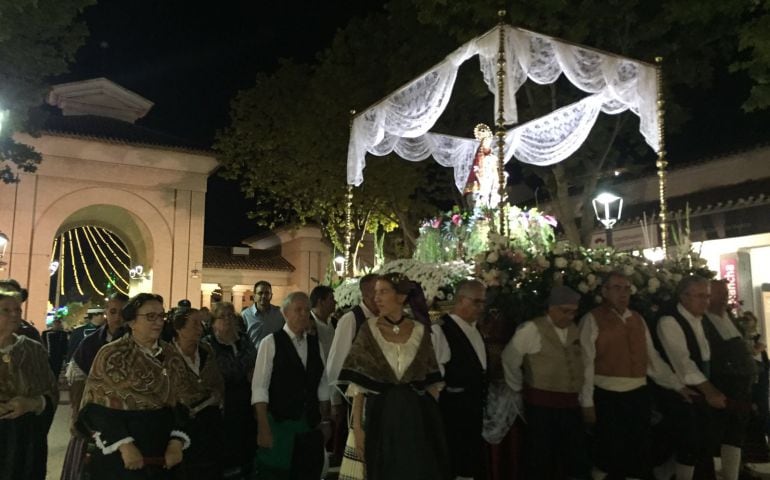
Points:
(287, 141)
(38, 39)
(698, 40)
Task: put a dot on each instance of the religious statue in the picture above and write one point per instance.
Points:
(482, 186)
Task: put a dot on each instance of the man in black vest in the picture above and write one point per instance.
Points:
(290, 396)
(682, 342)
(733, 372)
(462, 400)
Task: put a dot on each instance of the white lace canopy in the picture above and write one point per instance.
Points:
(402, 120)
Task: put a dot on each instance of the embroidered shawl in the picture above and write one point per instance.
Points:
(26, 372)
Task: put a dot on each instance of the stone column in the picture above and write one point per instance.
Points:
(206, 290)
(227, 292)
(238, 293)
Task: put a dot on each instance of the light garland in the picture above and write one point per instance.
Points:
(74, 266)
(61, 266)
(111, 236)
(99, 233)
(85, 267)
(106, 259)
(101, 266)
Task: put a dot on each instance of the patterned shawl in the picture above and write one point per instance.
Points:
(24, 371)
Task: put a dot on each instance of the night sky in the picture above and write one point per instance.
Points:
(191, 58)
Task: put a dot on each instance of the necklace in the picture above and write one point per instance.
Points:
(395, 324)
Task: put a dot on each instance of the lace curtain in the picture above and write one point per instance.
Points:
(401, 122)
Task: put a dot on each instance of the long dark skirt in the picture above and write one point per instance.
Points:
(240, 442)
(74, 459)
(405, 437)
(23, 447)
(203, 460)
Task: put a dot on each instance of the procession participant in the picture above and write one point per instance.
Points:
(543, 364)
(55, 341)
(130, 405)
(25, 328)
(201, 389)
(733, 373)
(462, 400)
(290, 395)
(235, 355)
(322, 305)
(28, 397)
(618, 355)
(344, 334)
(92, 323)
(262, 318)
(681, 341)
(77, 371)
(398, 432)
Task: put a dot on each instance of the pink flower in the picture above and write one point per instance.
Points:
(457, 219)
(436, 222)
(550, 220)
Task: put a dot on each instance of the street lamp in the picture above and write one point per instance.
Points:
(608, 208)
(339, 265)
(3, 244)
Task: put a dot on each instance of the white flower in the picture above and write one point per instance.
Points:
(628, 270)
(577, 265)
(493, 257)
(633, 289)
(542, 261)
(559, 262)
(598, 299)
(591, 279)
(653, 285)
(559, 248)
(676, 277)
(583, 287)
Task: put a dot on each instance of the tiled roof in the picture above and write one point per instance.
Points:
(222, 257)
(111, 130)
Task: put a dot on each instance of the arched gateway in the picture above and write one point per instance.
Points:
(100, 169)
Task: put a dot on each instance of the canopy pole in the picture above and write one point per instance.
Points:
(661, 163)
(348, 265)
(500, 133)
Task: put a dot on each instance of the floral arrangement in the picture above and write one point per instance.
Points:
(452, 235)
(437, 279)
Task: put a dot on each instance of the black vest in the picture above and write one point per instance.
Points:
(689, 335)
(464, 369)
(294, 387)
(729, 357)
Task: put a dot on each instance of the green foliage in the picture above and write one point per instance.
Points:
(38, 39)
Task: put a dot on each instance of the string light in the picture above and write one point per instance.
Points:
(74, 266)
(91, 242)
(114, 255)
(117, 244)
(85, 267)
(61, 265)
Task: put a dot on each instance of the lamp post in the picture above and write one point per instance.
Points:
(3, 244)
(608, 208)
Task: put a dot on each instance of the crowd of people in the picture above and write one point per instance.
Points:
(386, 392)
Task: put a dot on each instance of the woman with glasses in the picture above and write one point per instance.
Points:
(394, 380)
(201, 389)
(130, 403)
(28, 397)
(235, 355)
(76, 374)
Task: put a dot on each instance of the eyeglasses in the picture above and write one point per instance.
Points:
(153, 316)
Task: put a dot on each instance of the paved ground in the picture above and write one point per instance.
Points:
(58, 438)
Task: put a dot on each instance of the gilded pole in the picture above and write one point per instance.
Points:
(348, 266)
(500, 124)
(661, 163)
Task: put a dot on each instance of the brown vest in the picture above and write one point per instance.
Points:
(556, 367)
(621, 347)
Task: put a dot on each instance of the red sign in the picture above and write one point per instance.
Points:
(728, 271)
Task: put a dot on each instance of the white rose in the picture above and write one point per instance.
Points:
(591, 279)
(628, 270)
(542, 261)
(653, 284)
(676, 277)
(493, 257)
(559, 262)
(583, 287)
(577, 265)
(559, 249)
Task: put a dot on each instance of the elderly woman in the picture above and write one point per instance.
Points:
(201, 390)
(235, 356)
(28, 397)
(130, 402)
(394, 380)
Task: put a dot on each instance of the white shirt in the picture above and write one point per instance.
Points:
(338, 352)
(675, 345)
(440, 346)
(325, 335)
(263, 368)
(724, 326)
(656, 367)
(194, 363)
(526, 341)
(474, 336)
